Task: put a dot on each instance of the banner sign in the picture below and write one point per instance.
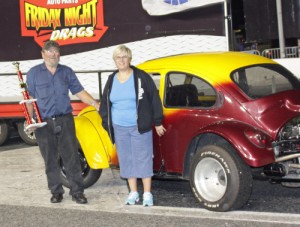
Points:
(64, 21)
(164, 7)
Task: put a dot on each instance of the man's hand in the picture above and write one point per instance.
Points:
(96, 105)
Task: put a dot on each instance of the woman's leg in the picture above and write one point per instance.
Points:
(147, 184)
(132, 182)
(147, 196)
(133, 196)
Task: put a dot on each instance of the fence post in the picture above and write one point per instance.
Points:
(280, 28)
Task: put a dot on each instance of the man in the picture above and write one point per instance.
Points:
(50, 83)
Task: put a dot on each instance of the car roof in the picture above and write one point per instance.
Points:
(212, 62)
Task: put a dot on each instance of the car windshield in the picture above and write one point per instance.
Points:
(262, 80)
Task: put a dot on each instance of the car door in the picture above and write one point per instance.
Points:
(187, 102)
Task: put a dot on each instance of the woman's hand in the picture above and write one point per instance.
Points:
(160, 130)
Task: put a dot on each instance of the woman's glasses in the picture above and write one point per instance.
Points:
(119, 58)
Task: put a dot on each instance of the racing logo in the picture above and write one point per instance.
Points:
(164, 7)
(65, 21)
(175, 2)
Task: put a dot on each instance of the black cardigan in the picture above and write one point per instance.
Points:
(149, 106)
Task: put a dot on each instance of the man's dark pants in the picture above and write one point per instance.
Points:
(58, 138)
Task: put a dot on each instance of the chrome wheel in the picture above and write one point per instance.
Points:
(210, 179)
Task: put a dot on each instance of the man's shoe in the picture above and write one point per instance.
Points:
(56, 198)
(79, 198)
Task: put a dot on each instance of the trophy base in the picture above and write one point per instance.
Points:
(35, 126)
(27, 101)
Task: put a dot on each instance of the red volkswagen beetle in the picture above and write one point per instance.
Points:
(228, 115)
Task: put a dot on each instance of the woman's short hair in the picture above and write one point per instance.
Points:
(122, 49)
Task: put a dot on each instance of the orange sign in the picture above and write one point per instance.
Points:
(65, 21)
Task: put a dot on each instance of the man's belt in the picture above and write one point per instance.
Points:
(53, 117)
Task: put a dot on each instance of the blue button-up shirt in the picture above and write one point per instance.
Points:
(52, 91)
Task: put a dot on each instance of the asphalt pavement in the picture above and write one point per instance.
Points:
(25, 201)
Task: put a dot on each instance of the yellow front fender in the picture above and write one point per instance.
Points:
(96, 145)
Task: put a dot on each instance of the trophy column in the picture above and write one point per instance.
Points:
(32, 124)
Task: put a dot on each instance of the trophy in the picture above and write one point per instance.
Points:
(31, 123)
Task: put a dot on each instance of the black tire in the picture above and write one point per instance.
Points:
(220, 180)
(90, 176)
(3, 131)
(28, 138)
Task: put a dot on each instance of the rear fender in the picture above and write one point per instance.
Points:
(236, 134)
(96, 145)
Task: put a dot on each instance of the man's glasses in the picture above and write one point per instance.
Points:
(52, 51)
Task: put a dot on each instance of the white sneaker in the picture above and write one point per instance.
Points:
(147, 199)
(132, 198)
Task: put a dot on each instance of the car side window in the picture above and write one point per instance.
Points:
(260, 81)
(156, 79)
(185, 90)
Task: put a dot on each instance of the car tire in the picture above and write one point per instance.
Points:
(90, 176)
(3, 131)
(220, 180)
(28, 138)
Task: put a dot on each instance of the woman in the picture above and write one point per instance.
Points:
(129, 107)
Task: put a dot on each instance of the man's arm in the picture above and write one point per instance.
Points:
(85, 97)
